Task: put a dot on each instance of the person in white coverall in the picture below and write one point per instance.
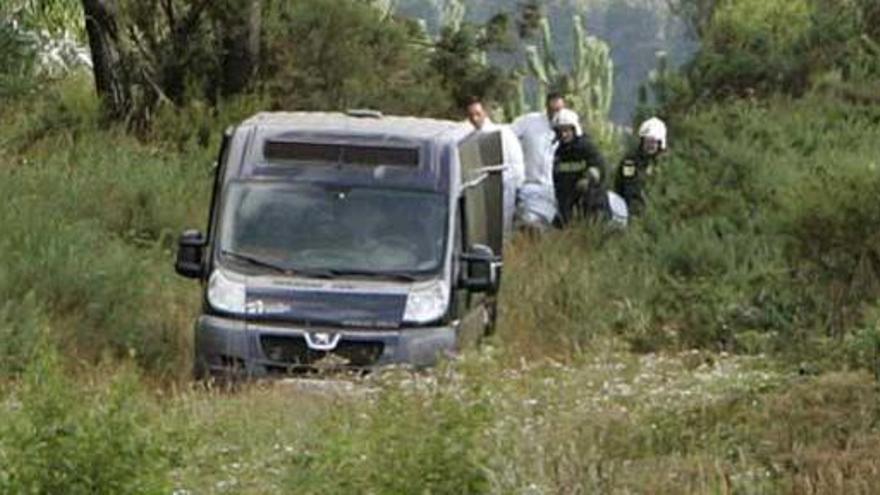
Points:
(535, 132)
(514, 173)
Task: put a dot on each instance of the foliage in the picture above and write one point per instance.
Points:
(376, 64)
(17, 61)
(753, 241)
(431, 445)
(88, 231)
(65, 437)
(748, 292)
(755, 48)
(56, 18)
(460, 58)
(687, 422)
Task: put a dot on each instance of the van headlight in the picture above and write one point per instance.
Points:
(225, 293)
(426, 303)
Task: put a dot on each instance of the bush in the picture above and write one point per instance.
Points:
(756, 48)
(62, 437)
(760, 236)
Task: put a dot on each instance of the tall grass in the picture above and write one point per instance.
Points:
(89, 224)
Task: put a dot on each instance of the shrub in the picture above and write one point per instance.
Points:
(756, 48)
(62, 437)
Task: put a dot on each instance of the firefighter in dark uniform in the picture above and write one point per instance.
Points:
(578, 171)
(638, 166)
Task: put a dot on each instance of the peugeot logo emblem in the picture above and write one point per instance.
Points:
(322, 341)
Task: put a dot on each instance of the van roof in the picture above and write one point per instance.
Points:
(361, 124)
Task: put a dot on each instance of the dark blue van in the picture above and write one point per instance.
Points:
(346, 241)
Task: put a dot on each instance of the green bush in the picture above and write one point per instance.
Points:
(57, 436)
(756, 48)
(760, 236)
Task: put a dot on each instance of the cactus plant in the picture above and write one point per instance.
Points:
(517, 105)
(589, 85)
(452, 13)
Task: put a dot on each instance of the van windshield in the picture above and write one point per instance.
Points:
(337, 230)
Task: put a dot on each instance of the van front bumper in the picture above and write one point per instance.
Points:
(224, 345)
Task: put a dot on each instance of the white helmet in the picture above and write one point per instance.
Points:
(654, 128)
(566, 117)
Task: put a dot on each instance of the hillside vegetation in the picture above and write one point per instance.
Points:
(726, 342)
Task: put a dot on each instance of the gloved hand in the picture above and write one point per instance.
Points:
(593, 176)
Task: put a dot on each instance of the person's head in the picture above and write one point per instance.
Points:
(567, 125)
(555, 102)
(652, 136)
(476, 113)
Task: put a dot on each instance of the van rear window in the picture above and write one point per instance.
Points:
(340, 154)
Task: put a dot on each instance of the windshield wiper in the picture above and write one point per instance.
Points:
(253, 260)
(403, 276)
(305, 272)
(328, 273)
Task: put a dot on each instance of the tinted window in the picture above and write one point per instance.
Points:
(340, 154)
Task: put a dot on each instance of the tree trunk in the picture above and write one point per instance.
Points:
(108, 62)
(241, 45)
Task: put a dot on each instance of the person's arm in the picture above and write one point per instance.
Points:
(513, 155)
(593, 157)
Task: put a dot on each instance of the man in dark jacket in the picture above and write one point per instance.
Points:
(578, 171)
(638, 166)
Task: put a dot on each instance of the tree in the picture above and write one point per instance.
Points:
(146, 52)
(335, 55)
(240, 23)
(113, 81)
(460, 58)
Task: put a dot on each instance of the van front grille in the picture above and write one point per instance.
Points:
(293, 351)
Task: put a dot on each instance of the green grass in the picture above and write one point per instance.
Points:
(693, 422)
(725, 343)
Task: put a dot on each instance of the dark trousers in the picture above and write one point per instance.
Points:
(565, 184)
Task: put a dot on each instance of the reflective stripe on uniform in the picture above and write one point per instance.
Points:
(571, 167)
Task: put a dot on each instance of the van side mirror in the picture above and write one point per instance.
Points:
(190, 250)
(481, 270)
